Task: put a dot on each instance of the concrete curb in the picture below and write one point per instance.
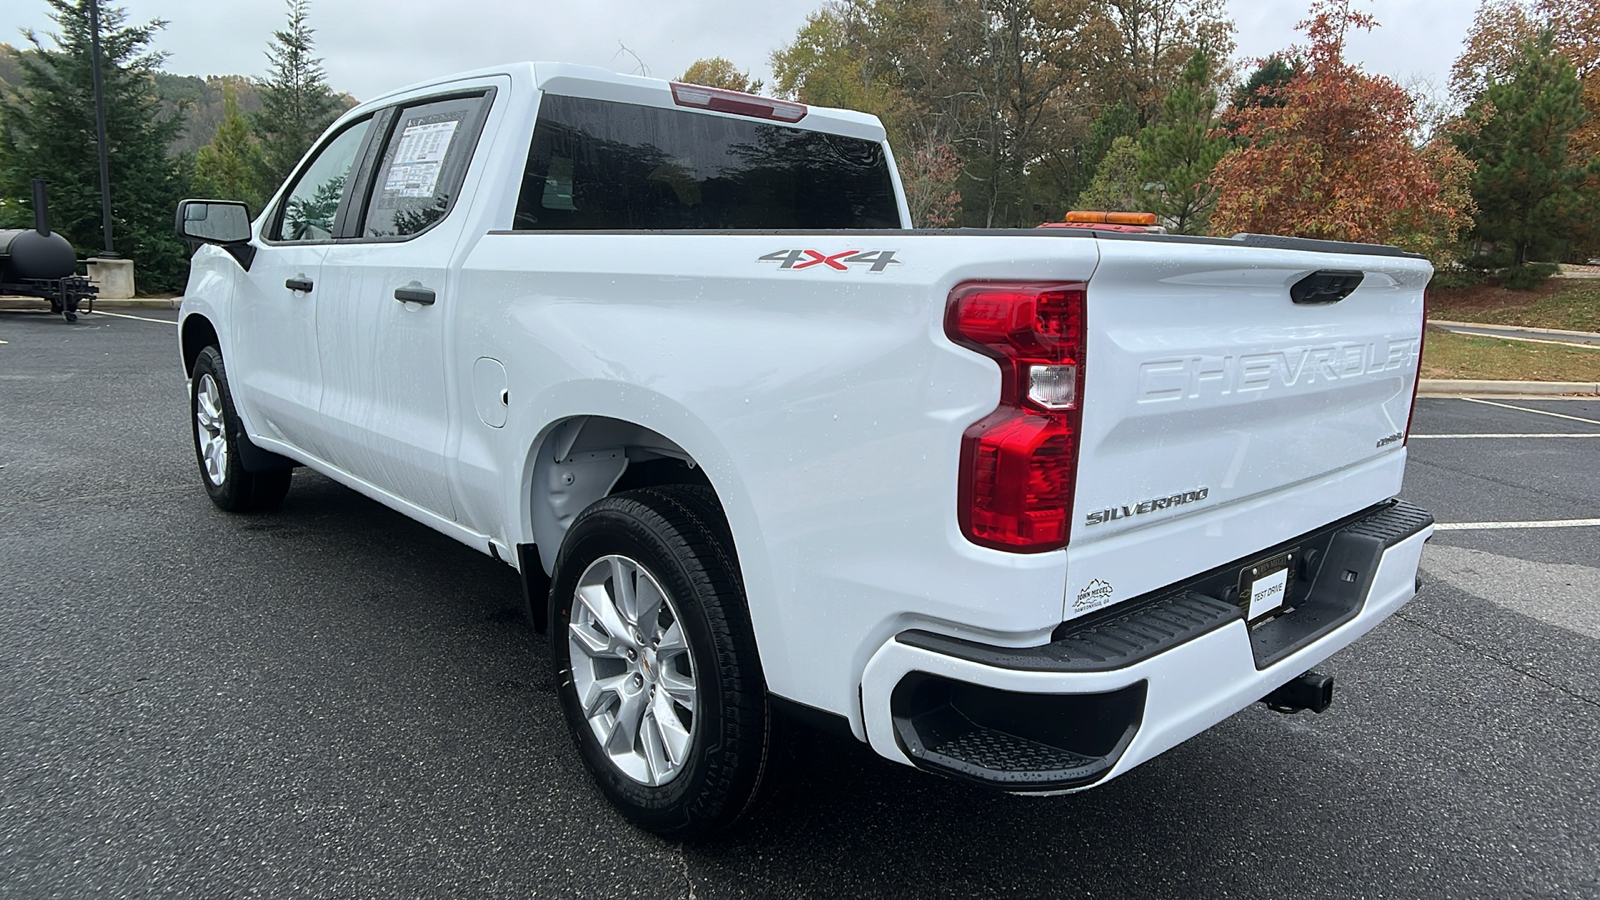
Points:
(43, 305)
(1457, 387)
(1516, 328)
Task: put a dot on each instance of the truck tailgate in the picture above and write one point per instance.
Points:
(1206, 385)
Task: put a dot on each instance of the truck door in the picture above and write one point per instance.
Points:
(381, 329)
(278, 377)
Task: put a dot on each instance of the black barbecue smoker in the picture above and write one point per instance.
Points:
(40, 263)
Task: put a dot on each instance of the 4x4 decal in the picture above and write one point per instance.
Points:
(840, 262)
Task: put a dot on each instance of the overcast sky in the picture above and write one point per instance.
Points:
(370, 46)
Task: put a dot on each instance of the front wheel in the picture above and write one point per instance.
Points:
(656, 661)
(216, 443)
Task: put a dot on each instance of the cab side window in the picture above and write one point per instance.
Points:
(311, 206)
(423, 165)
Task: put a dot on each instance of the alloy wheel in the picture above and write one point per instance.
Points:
(211, 430)
(632, 669)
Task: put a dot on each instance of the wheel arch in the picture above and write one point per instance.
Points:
(618, 428)
(195, 334)
(580, 459)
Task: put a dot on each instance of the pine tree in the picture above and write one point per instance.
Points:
(1115, 187)
(1178, 152)
(1532, 197)
(231, 165)
(47, 130)
(296, 103)
(1265, 83)
(1079, 164)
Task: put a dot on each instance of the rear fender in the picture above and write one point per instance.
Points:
(594, 431)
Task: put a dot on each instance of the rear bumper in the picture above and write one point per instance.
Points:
(1117, 689)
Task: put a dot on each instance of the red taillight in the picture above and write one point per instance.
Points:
(719, 100)
(1019, 463)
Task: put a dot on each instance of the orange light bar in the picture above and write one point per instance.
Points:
(1111, 218)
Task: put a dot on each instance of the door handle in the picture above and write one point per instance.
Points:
(298, 284)
(414, 295)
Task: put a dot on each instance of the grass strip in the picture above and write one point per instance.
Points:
(1570, 304)
(1450, 355)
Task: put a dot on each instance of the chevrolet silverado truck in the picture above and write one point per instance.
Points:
(1020, 507)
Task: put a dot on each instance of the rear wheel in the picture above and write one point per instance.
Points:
(216, 443)
(656, 661)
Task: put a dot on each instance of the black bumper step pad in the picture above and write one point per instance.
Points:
(1332, 577)
(996, 751)
(1101, 643)
(1392, 524)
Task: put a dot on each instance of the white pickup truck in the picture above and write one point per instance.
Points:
(1025, 508)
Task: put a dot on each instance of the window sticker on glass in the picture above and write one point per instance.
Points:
(419, 158)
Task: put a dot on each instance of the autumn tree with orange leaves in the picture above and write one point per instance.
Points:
(1333, 157)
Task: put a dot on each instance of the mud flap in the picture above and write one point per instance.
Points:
(535, 588)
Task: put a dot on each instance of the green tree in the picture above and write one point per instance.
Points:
(1265, 84)
(834, 60)
(719, 72)
(1002, 82)
(1069, 167)
(1499, 29)
(1532, 196)
(296, 103)
(1029, 94)
(305, 219)
(1178, 152)
(231, 165)
(1116, 185)
(47, 130)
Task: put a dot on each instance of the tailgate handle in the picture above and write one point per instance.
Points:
(1325, 286)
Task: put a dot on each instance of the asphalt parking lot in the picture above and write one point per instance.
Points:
(331, 701)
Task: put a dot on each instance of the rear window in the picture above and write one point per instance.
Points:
(599, 165)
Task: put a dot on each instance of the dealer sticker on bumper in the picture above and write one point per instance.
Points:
(1266, 584)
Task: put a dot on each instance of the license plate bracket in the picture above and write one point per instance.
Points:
(1264, 585)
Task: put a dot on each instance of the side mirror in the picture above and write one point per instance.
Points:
(214, 221)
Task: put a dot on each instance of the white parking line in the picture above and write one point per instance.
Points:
(1450, 437)
(1487, 526)
(136, 318)
(1527, 410)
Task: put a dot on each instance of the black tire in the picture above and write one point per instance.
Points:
(232, 489)
(679, 535)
